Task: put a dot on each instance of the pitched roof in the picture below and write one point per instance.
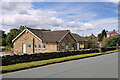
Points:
(109, 32)
(78, 37)
(93, 36)
(49, 36)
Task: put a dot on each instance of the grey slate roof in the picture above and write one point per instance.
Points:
(78, 37)
(49, 36)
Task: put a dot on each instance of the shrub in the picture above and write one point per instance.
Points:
(14, 59)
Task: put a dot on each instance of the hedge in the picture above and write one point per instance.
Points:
(14, 59)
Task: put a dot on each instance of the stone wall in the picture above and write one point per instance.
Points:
(67, 39)
(27, 38)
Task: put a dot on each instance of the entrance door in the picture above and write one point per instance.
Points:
(24, 47)
(77, 46)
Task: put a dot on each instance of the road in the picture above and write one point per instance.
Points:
(104, 66)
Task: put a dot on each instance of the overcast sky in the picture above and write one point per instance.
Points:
(79, 17)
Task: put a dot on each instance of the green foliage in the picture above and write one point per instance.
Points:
(7, 48)
(22, 28)
(4, 42)
(6, 39)
(12, 34)
(45, 29)
(102, 35)
(8, 60)
(100, 38)
(86, 37)
(113, 41)
(43, 62)
(91, 43)
(2, 38)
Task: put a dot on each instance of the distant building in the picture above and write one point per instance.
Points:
(82, 42)
(92, 36)
(112, 33)
(95, 39)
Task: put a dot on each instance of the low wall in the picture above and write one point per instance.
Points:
(14, 59)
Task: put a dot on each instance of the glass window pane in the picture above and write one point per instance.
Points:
(39, 46)
(44, 46)
(35, 46)
(29, 45)
(63, 46)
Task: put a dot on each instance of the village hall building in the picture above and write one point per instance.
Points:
(39, 41)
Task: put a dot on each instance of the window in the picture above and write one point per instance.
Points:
(35, 46)
(39, 46)
(69, 45)
(73, 45)
(29, 45)
(82, 45)
(44, 46)
(63, 46)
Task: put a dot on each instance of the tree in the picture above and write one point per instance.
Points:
(91, 43)
(45, 29)
(100, 38)
(102, 35)
(22, 28)
(2, 38)
(12, 34)
(104, 41)
(113, 41)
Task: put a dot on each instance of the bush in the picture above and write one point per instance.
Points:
(7, 48)
(113, 41)
(14, 59)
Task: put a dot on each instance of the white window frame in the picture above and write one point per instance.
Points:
(43, 46)
(28, 46)
(38, 46)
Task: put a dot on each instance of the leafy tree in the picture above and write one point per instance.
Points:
(113, 41)
(45, 29)
(102, 35)
(2, 38)
(22, 28)
(86, 37)
(104, 41)
(12, 34)
(91, 43)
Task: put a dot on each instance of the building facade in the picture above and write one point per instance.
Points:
(37, 41)
(112, 33)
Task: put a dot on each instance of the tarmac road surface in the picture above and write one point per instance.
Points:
(104, 66)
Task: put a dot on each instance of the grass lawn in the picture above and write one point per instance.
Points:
(43, 62)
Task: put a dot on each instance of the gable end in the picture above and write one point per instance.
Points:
(66, 35)
(23, 32)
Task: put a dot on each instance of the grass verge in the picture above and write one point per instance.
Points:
(21, 66)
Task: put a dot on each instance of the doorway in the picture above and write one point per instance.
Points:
(24, 48)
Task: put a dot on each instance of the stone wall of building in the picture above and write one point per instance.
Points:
(27, 38)
(68, 39)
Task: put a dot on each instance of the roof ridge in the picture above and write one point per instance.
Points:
(61, 30)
